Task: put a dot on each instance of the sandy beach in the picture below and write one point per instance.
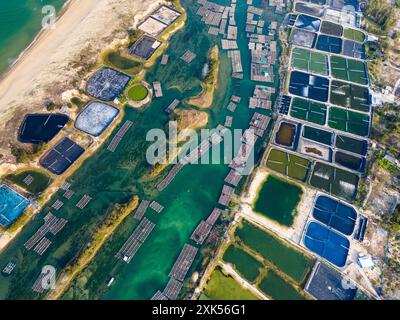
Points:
(53, 63)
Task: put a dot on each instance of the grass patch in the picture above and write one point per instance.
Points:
(223, 287)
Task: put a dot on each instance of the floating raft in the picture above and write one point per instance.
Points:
(215, 138)
(28, 180)
(263, 92)
(214, 215)
(222, 26)
(156, 206)
(141, 210)
(8, 269)
(204, 228)
(68, 194)
(250, 28)
(83, 202)
(188, 56)
(257, 131)
(65, 186)
(172, 289)
(240, 161)
(213, 31)
(260, 121)
(42, 246)
(226, 195)
(231, 106)
(58, 226)
(164, 59)
(233, 178)
(135, 241)
(159, 296)
(259, 103)
(51, 224)
(157, 89)
(38, 285)
(235, 57)
(57, 205)
(120, 134)
(172, 106)
(232, 33)
(228, 44)
(254, 10)
(221, 128)
(183, 263)
(196, 154)
(249, 137)
(236, 99)
(201, 232)
(171, 175)
(228, 121)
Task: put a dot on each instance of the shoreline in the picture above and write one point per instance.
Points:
(8, 237)
(34, 42)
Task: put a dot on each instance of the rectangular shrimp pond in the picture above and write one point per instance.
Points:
(349, 121)
(327, 243)
(279, 253)
(277, 199)
(350, 96)
(12, 205)
(335, 214)
(308, 110)
(335, 181)
(310, 61)
(288, 164)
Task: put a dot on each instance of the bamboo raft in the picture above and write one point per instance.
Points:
(183, 263)
(118, 137)
(141, 210)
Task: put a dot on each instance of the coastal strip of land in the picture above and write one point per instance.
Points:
(48, 68)
(205, 98)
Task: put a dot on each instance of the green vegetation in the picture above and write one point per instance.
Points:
(381, 12)
(223, 287)
(137, 93)
(78, 102)
(245, 264)
(278, 200)
(40, 181)
(22, 155)
(279, 253)
(385, 128)
(275, 287)
(134, 35)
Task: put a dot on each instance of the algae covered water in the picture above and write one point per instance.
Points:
(112, 178)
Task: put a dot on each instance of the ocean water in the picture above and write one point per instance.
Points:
(20, 22)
